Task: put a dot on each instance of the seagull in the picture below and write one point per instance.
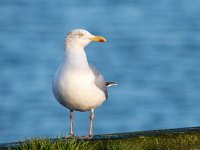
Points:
(78, 85)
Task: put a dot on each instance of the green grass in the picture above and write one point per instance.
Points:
(180, 141)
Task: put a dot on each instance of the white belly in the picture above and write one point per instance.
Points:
(77, 91)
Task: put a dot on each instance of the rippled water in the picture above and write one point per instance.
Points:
(152, 51)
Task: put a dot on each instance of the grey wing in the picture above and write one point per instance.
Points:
(99, 80)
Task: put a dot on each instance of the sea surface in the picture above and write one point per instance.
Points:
(152, 52)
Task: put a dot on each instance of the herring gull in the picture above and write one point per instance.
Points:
(78, 85)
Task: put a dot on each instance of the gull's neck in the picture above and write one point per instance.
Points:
(76, 58)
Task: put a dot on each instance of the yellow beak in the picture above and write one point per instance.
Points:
(98, 39)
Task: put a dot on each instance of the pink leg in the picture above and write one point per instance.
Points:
(91, 122)
(71, 122)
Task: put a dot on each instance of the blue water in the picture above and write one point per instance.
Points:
(152, 52)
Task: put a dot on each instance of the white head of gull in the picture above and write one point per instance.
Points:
(77, 85)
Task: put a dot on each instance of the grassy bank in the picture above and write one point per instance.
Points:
(173, 139)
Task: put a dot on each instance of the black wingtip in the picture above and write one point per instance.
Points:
(109, 84)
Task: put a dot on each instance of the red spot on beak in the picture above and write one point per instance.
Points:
(101, 40)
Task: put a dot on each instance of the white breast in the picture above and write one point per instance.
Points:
(76, 89)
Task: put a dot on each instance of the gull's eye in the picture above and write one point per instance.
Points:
(80, 34)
